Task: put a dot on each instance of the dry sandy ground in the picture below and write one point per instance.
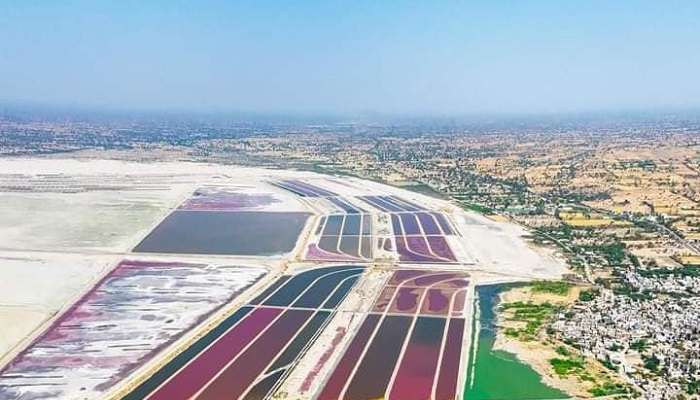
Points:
(499, 248)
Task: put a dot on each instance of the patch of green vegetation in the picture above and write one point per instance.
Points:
(588, 295)
(585, 376)
(609, 388)
(512, 332)
(639, 345)
(562, 351)
(635, 260)
(690, 270)
(567, 366)
(560, 288)
(613, 253)
(533, 315)
(609, 365)
(652, 363)
(626, 290)
(572, 364)
(615, 347)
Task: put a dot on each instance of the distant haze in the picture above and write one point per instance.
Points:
(405, 57)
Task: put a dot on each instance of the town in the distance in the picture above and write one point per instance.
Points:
(250, 257)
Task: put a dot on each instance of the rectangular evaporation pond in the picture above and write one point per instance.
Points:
(444, 224)
(398, 202)
(343, 371)
(333, 224)
(375, 370)
(415, 376)
(321, 289)
(344, 205)
(428, 223)
(366, 247)
(350, 245)
(239, 233)
(410, 225)
(366, 224)
(396, 225)
(352, 225)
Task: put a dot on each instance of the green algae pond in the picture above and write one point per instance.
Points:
(495, 374)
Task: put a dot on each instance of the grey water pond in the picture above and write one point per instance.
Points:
(230, 233)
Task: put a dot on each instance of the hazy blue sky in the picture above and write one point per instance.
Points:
(437, 57)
